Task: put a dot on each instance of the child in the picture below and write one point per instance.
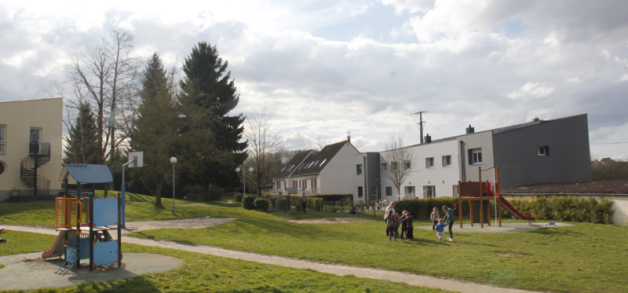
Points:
(434, 217)
(391, 224)
(439, 228)
(407, 219)
(404, 223)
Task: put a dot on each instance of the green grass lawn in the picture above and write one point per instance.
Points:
(582, 258)
(206, 273)
(138, 208)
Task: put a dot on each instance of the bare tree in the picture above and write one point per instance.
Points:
(105, 76)
(322, 141)
(398, 158)
(264, 144)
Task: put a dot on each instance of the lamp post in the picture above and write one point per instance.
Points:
(243, 179)
(173, 160)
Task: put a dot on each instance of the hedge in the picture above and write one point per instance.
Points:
(566, 208)
(261, 204)
(313, 203)
(422, 208)
(248, 202)
(238, 197)
(334, 197)
(282, 203)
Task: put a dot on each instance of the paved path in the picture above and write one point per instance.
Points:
(505, 228)
(340, 270)
(193, 223)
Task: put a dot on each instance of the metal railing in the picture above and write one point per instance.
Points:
(42, 149)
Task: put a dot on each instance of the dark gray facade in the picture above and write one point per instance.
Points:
(372, 177)
(565, 156)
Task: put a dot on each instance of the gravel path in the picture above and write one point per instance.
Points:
(340, 270)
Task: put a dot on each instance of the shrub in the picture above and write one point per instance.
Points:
(347, 198)
(282, 203)
(215, 193)
(248, 202)
(565, 208)
(273, 202)
(238, 197)
(422, 208)
(267, 195)
(261, 204)
(315, 203)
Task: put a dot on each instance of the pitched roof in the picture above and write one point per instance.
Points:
(292, 165)
(315, 163)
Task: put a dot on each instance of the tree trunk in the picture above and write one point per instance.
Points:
(159, 187)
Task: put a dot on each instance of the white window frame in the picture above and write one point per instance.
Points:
(429, 163)
(429, 191)
(3, 139)
(411, 194)
(455, 190)
(391, 190)
(4, 167)
(446, 161)
(407, 165)
(476, 156)
(543, 151)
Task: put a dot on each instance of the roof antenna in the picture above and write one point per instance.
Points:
(349, 135)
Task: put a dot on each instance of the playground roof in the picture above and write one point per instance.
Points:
(86, 174)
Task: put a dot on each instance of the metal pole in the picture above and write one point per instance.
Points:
(495, 192)
(173, 211)
(243, 182)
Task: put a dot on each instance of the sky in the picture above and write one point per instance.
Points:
(326, 68)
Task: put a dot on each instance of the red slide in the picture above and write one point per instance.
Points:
(513, 211)
(58, 248)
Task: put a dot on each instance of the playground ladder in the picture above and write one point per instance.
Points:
(70, 261)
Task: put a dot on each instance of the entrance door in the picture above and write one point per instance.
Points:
(35, 140)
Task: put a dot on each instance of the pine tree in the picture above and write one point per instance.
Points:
(82, 144)
(206, 73)
(155, 130)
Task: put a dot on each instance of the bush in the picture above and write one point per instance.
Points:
(346, 198)
(261, 204)
(267, 195)
(315, 203)
(238, 197)
(248, 202)
(282, 203)
(565, 208)
(422, 208)
(214, 193)
(273, 202)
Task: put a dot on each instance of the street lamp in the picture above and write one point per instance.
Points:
(173, 161)
(244, 178)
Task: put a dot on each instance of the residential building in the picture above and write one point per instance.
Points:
(30, 146)
(323, 172)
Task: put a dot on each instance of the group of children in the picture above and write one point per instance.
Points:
(392, 225)
(393, 221)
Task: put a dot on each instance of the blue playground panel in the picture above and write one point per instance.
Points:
(84, 247)
(105, 211)
(105, 253)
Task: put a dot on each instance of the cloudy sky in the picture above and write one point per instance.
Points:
(322, 68)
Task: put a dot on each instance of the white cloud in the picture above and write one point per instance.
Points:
(623, 78)
(531, 90)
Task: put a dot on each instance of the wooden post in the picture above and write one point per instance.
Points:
(498, 198)
(459, 204)
(488, 200)
(481, 199)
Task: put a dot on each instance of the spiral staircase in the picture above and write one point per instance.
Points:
(38, 155)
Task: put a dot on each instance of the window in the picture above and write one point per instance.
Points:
(429, 163)
(384, 167)
(393, 166)
(475, 157)
(446, 161)
(358, 169)
(278, 185)
(374, 190)
(455, 190)
(407, 165)
(3, 167)
(543, 151)
(304, 183)
(3, 139)
(323, 162)
(429, 191)
(294, 183)
(359, 191)
(388, 190)
(409, 192)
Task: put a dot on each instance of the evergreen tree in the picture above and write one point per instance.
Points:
(207, 75)
(155, 130)
(82, 144)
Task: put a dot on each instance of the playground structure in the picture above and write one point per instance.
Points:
(81, 238)
(485, 192)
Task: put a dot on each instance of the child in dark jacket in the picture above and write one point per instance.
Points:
(392, 225)
(407, 220)
(404, 224)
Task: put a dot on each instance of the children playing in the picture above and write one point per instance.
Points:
(409, 229)
(392, 224)
(404, 223)
(440, 227)
(434, 216)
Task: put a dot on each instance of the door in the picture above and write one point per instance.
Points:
(35, 140)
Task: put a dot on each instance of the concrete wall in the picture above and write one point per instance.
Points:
(358, 180)
(620, 208)
(481, 140)
(516, 152)
(19, 117)
(337, 176)
(442, 178)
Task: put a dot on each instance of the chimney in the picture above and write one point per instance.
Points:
(349, 136)
(470, 129)
(428, 138)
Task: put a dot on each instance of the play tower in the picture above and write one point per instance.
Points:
(83, 222)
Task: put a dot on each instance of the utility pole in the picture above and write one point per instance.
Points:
(420, 113)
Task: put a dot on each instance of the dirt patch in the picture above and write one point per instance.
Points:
(329, 221)
(594, 187)
(202, 222)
